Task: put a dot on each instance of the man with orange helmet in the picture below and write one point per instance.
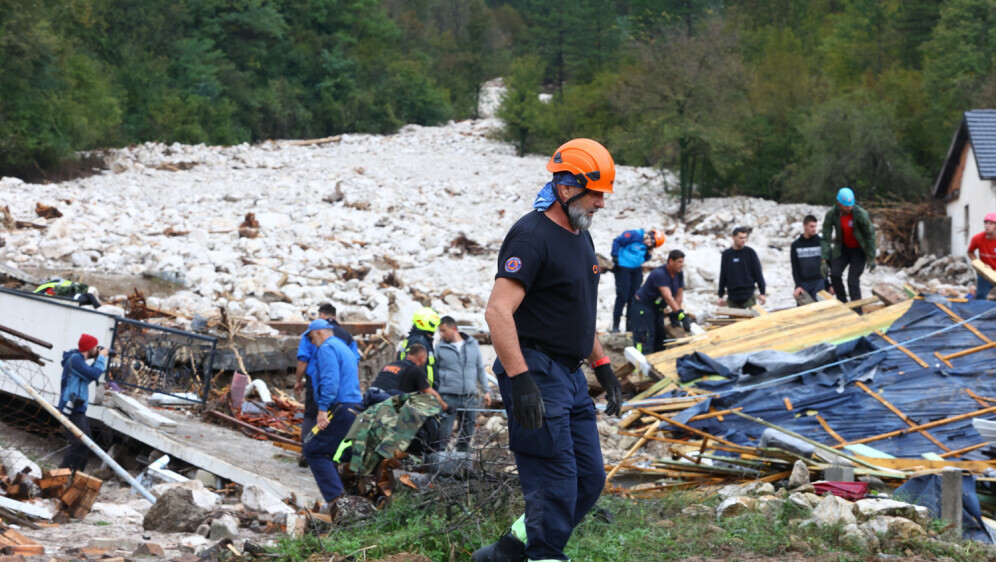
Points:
(542, 319)
(629, 250)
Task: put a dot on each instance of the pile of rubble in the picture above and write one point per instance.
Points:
(358, 220)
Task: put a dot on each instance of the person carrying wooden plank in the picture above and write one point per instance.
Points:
(849, 230)
(74, 394)
(807, 272)
(739, 273)
(542, 314)
(985, 244)
(629, 252)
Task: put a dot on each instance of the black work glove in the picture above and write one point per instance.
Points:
(615, 265)
(527, 403)
(686, 323)
(673, 317)
(449, 409)
(613, 390)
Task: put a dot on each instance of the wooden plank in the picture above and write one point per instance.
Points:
(736, 312)
(760, 310)
(650, 431)
(863, 302)
(825, 296)
(784, 330)
(901, 415)
(140, 412)
(698, 432)
(889, 294)
(912, 355)
(869, 308)
(985, 271)
(19, 275)
(974, 467)
(826, 427)
(788, 403)
(929, 425)
(957, 354)
(957, 318)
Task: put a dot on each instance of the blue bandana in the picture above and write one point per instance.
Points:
(547, 196)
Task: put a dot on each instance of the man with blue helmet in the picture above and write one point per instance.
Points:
(853, 245)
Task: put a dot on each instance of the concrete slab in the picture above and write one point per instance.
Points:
(221, 451)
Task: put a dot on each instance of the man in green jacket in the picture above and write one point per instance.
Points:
(853, 245)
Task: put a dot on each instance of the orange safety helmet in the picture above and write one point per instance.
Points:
(658, 236)
(589, 161)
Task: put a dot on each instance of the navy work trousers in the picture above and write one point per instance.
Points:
(322, 447)
(645, 323)
(560, 464)
(628, 281)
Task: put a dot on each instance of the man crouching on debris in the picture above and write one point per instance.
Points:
(74, 393)
(542, 318)
(337, 394)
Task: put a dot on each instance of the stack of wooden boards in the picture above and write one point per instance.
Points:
(789, 330)
(13, 543)
(76, 498)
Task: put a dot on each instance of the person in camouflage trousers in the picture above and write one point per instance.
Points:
(387, 427)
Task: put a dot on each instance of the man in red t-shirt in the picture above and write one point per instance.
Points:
(985, 243)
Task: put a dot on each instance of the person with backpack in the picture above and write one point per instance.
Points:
(74, 394)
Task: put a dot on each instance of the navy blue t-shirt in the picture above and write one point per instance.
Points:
(559, 271)
(660, 277)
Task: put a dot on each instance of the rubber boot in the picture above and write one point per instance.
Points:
(508, 548)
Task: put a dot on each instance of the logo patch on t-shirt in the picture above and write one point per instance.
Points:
(513, 264)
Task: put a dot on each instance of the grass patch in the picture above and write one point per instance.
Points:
(443, 524)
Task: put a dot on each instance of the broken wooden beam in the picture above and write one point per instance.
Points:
(889, 294)
(985, 271)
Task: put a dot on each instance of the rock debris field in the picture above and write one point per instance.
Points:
(379, 225)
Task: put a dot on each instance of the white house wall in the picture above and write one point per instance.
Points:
(980, 197)
(57, 322)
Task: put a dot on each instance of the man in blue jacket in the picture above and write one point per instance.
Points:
(306, 367)
(74, 393)
(337, 396)
(629, 250)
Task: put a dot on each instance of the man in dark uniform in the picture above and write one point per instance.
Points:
(740, 272)
(407, 376)
(665, 288)
(542, 319)
(404, 376)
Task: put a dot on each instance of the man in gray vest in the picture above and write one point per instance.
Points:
(461, 377)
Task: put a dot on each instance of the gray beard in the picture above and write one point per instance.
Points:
(578, 217)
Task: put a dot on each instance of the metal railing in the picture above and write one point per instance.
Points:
(160, 359)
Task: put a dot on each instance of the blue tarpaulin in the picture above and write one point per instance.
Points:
(827, 386)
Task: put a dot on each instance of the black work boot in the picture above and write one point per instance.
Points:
(615, 326)
(508, 548)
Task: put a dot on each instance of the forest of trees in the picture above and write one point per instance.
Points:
(784, 99)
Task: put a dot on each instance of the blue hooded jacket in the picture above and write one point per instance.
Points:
(629, 250)
(76, 378)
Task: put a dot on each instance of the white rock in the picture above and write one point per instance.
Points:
(203, 497)
(799, 476)
(15, 461)
(735, 505)
(258, 499)
(114, 512)
(870, 508)
(224, 527)
(193, 544)
(832, 510)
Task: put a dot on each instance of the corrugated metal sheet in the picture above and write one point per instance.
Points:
(982, 132)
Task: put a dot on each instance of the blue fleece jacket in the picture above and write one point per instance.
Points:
(306, 350)
(336, 377)
(76, 378)
(629, 250)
